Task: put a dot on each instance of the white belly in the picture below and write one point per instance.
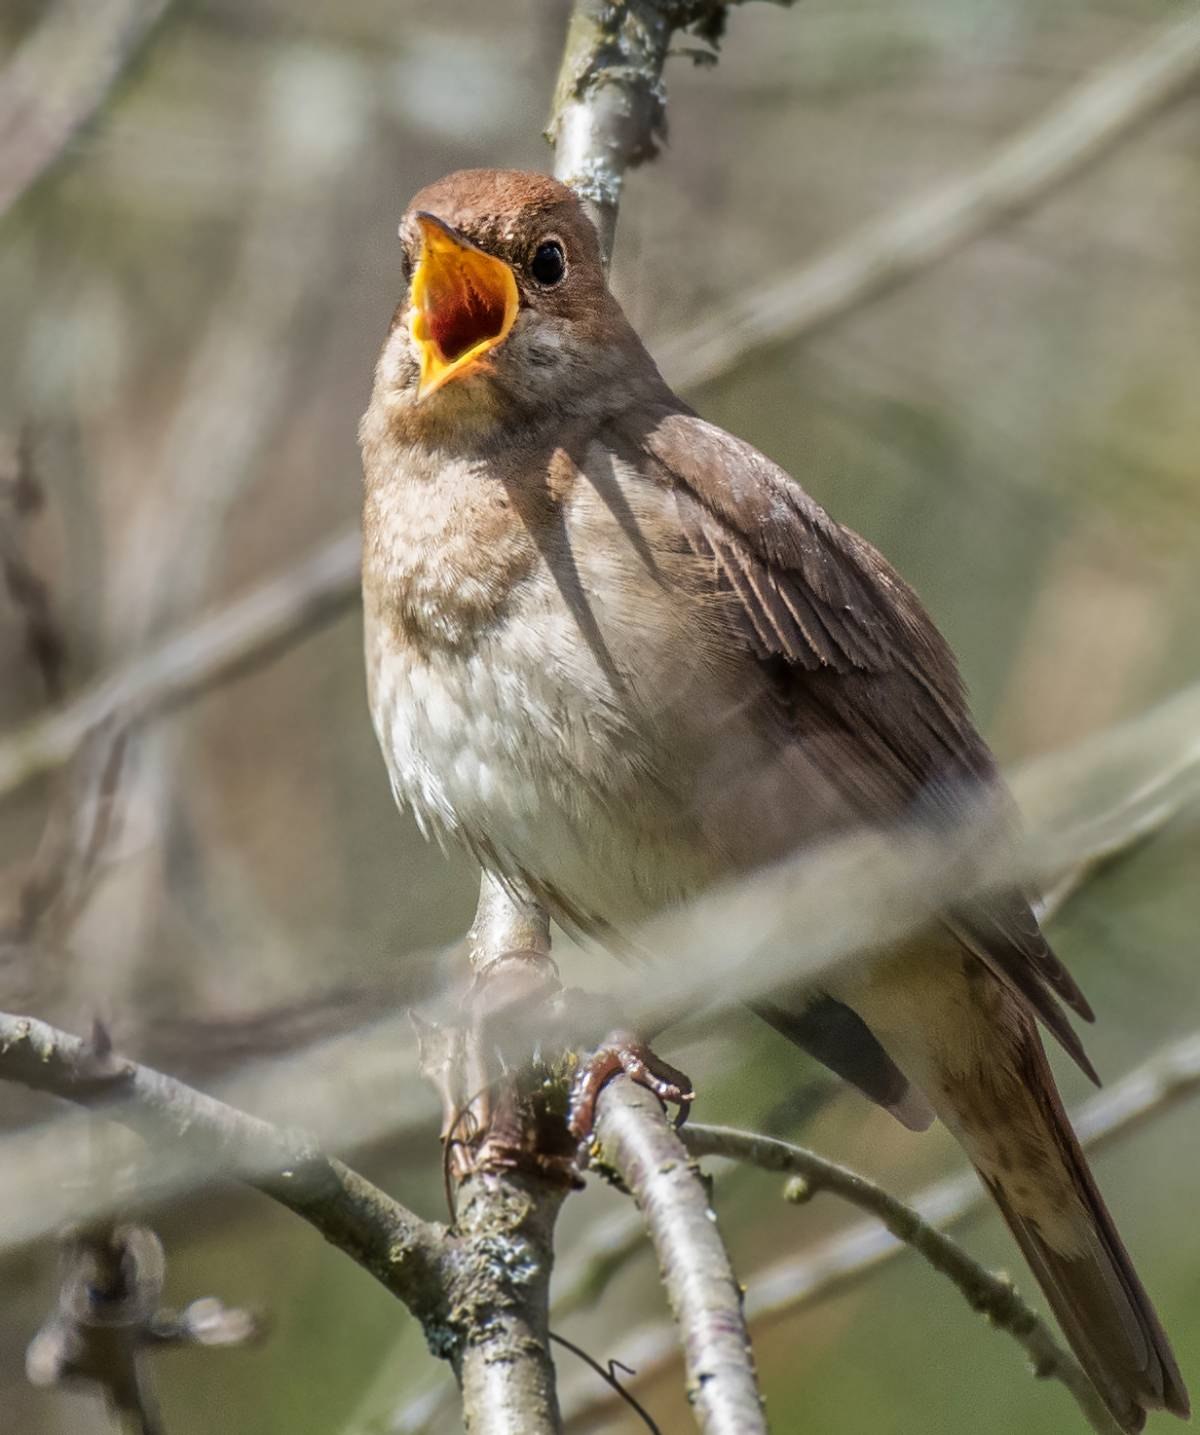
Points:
(534, 765)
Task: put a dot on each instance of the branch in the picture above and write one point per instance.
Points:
(843, 1260)
(991, 1295)
(57, 82)
(108, 1316)
(1101, 114)
(402, 1252)
(632, 1136)
(237, 638)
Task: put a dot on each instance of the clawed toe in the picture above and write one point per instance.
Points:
(623, 1053)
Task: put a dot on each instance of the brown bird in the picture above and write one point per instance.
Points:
(620, 655)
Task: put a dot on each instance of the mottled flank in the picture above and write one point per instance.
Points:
(617, 652)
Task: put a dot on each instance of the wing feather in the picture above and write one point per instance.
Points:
(856, 664)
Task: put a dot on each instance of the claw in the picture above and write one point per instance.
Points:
(619, 1053)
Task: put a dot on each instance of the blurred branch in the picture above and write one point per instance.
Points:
(632, 1137)
(59, 79)
(1101, 114)
(49, 893)
(238, 638)
(1150, 1091)
(21, 495)
(108, 1315)
(991, 1295)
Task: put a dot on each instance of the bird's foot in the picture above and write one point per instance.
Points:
(621, 1052)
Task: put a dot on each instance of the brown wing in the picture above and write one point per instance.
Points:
(859, 668)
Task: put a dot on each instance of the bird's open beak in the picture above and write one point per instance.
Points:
(463, 303)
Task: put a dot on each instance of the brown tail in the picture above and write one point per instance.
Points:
(1092, 1288)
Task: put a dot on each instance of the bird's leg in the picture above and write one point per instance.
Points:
(621, 1052)
(515, 985)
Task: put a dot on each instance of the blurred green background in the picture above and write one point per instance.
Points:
(191, 304)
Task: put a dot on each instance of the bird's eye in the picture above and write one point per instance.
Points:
(549, 264)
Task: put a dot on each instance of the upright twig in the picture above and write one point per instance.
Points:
(1097, 117)
(608, 114)
(505, 1200)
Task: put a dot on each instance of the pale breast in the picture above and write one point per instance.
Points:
(535, 695)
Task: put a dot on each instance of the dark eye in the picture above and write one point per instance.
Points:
(549, 264)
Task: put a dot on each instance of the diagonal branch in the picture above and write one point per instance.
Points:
(58, 81)
(238, 638)
(1102, 113)
(403, 1252)
(991, 1295)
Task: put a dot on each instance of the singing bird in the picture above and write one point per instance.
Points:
(621, 656)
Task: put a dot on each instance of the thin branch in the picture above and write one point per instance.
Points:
(238, 638)
(845, 1259)
(1101, 114)
(991, 1295)
(632, 1136)
(609, 1374)
(58, 81)
(404, 1253)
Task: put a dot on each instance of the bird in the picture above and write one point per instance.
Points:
(621, 656)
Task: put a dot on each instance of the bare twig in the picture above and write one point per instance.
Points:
(633, 1137)
(991, 1295)
(608, 114)
(57, 82)
(843, 1260)
(610, 1374)
(237, 638)
(1098, 116)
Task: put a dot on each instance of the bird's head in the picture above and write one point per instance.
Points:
(507, 314)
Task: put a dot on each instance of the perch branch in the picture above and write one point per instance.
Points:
(632, 1137)
(506, 1207)
(1104, 111)
(609, 114)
